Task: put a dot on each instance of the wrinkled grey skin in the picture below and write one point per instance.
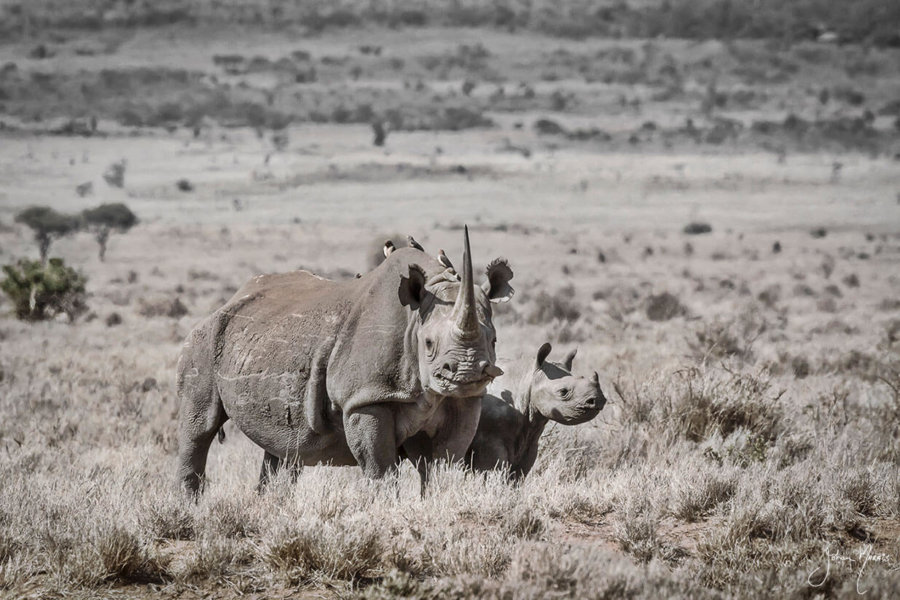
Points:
(317, 371)
(511, 425)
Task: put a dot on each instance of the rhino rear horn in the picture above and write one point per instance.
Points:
(464, 316)
(542, 354)
(570, 357)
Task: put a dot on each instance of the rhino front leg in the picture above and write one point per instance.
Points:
(372, 440)
(458, 423)
(419, 450)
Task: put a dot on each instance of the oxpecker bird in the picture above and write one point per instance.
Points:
(388, 248)
(414, 244)
(442, 258)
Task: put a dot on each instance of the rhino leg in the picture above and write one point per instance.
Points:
(200, 421)
(270, 466)
(371, 436)
(419, 450)
(459, 422)
(201, 413)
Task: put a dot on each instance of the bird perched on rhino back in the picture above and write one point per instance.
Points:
(343, 372)
(413, 243)
(512, 422)
(445, 262)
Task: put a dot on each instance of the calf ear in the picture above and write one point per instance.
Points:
(412, 289)
(497, 287)
(542, 354)
(567, 363)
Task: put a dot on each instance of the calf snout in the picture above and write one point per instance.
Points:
(597, 400)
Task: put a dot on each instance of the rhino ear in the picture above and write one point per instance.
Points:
(567, 363)
(412, 289)
(543, 353)
(497, 287)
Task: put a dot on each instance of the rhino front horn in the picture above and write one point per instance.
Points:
(465, 318)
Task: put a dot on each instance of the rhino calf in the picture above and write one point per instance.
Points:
(511, 425)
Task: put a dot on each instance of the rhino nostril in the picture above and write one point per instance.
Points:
(450, 367)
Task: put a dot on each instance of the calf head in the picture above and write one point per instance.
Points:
(455, 337)
(558, 395)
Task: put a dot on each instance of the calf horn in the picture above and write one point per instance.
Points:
(464, 316)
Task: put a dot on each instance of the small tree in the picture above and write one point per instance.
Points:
(40, 291)
(47, 225)
(106, 218)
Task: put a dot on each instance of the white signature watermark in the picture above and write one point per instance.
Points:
(858, 560)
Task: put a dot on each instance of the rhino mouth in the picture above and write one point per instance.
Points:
(446, 382)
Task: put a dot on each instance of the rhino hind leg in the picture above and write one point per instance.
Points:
(201, 414)
(194, 439)
(271, 464)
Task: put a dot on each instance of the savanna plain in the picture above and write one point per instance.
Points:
(715, 225)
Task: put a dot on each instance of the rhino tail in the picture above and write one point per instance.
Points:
(315, 405)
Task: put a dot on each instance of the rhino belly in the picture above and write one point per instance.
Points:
(268, 409)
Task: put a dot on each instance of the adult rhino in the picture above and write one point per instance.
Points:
(318, 371)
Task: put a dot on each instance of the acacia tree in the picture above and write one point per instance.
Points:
(47, 225)
(105, 219)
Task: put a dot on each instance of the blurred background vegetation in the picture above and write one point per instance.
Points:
(874, 22)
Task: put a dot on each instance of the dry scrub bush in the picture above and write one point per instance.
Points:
(730, 339)
(42, 290)
(559, 306)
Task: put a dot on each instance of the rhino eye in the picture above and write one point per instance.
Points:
(429, 344)
(564, 392)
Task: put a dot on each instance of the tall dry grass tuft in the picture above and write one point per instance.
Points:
(341, 551)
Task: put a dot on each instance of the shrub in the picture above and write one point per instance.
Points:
(40, 291)
(557, 307)
(106, 218)
(697, 228)
(47, 225)
(665, 306)
(115, 173)
(163, 307)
